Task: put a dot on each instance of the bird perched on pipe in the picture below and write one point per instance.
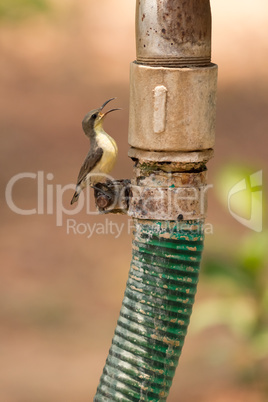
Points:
(102, 154)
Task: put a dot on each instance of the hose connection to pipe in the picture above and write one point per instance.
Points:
(171, 134)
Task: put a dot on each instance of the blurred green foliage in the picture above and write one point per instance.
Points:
(238, 280)
(243, 279)
(19, 10)
(240, 303)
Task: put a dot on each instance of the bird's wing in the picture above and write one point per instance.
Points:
(89, 163)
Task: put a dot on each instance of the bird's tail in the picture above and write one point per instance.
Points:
(75, 197)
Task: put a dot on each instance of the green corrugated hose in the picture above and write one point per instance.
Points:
(155, 312)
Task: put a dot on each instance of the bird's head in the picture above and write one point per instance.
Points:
(94, 119)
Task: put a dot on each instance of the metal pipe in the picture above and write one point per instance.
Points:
(171, 133)
(173, 33)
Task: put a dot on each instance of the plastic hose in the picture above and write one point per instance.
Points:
(155, 312)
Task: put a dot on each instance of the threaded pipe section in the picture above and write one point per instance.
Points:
(175, 62)
(155, 312)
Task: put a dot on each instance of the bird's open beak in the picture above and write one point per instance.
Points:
(105, 103)
(109, 111)
(101, 115)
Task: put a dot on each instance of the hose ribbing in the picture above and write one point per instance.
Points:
(155, 312)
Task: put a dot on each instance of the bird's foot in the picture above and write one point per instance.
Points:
(98, 189)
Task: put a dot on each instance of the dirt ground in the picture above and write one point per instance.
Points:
(61, 289)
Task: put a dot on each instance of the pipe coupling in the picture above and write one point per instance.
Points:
(172, 109)
(169, 196)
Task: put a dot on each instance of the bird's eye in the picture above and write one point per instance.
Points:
(94, 116)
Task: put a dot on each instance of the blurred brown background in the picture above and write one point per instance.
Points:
(60, 293)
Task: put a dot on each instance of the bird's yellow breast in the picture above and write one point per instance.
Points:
(108, 159)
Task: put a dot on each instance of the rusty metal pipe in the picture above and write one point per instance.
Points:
(173, 33)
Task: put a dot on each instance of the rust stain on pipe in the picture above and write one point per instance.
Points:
(185, 21)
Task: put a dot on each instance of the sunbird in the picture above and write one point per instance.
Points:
(102, 153)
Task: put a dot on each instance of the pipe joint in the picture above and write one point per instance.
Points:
(168, 196)
(172, 109)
